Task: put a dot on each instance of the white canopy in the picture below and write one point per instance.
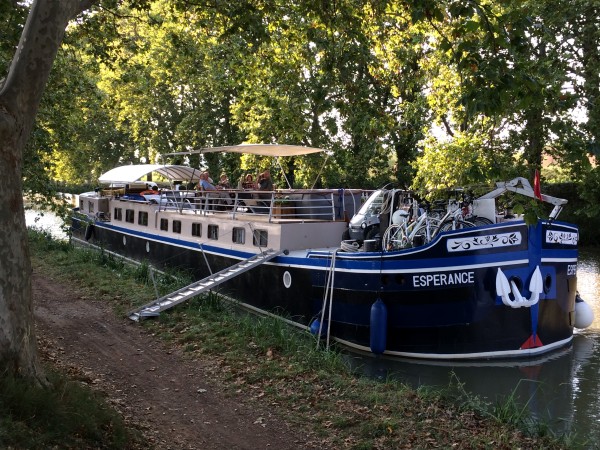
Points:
(131, 173)
(257, 149)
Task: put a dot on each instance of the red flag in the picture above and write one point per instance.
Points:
(536, 185)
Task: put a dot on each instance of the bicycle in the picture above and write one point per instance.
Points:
(402, 234)
(462, 217)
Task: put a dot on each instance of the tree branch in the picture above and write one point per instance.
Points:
(447, 125)
(30, 67)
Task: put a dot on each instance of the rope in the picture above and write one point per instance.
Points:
(352, 247)
(328, 287)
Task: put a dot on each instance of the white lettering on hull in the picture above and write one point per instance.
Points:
(443, 279)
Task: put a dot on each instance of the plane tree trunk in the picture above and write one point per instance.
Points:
(20, 96)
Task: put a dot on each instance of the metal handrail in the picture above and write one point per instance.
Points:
(326, 204)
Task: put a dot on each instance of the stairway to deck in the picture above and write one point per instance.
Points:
(154, 308)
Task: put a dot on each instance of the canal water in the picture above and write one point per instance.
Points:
(561, 389)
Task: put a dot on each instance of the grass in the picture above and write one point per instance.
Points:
(280, 366)
(63, 414)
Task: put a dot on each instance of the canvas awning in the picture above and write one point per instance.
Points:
(131, 173)
(272, 150)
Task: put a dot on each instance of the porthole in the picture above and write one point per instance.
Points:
(547, 284)
(287, 279)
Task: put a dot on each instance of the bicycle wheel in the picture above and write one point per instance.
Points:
(394, 238)
(464, 224)
(452, 224)
(431, 229)
(425, 233)
(479, 221)
(419, 237)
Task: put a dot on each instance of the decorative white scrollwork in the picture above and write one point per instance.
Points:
(504, 289)
(481, 242)
(561, 237)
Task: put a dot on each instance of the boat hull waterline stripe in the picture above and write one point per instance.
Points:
(289, 261)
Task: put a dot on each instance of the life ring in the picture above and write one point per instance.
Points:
(89, 231)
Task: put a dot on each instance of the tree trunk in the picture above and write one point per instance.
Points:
(534, 131)
(534, 126)
(18, 352)
(20, 95)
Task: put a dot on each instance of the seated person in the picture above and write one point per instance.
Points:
(224, 182)
(204, 183)
(265, 184)
(248, 182)
(151, 193)
(151, 189)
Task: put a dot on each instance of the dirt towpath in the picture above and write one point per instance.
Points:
(172, 400)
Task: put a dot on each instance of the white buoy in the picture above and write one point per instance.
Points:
(584, 314)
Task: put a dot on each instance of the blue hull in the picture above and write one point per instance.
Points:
(441, 299)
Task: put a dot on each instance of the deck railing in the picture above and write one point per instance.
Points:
(281, 205)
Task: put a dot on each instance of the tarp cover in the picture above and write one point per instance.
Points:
(131, 173)
(258, 149)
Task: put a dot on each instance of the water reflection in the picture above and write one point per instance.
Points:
(588, 284)
(560, 389)
(45, 221)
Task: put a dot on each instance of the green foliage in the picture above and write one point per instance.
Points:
(12, 20)
(63, 414)
(43, 240)
(429, 94)
(463, 161)
(590, 193)
(578, 210)
(531, 209)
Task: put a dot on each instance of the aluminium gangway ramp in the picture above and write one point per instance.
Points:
(155, 307)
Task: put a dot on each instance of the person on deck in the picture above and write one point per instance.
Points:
(224, 182)
(204, 183)
(215, 200)
(265, 183)
(248, 182)
(151, 189)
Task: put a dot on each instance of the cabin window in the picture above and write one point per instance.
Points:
(213, 232)
(129, 215)
(118, 213)
(197, 229)
(143, 218)
(81, 205)
(164, 224)
(177, 226)
(91, 207)
(260, 238)
(239, 235)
